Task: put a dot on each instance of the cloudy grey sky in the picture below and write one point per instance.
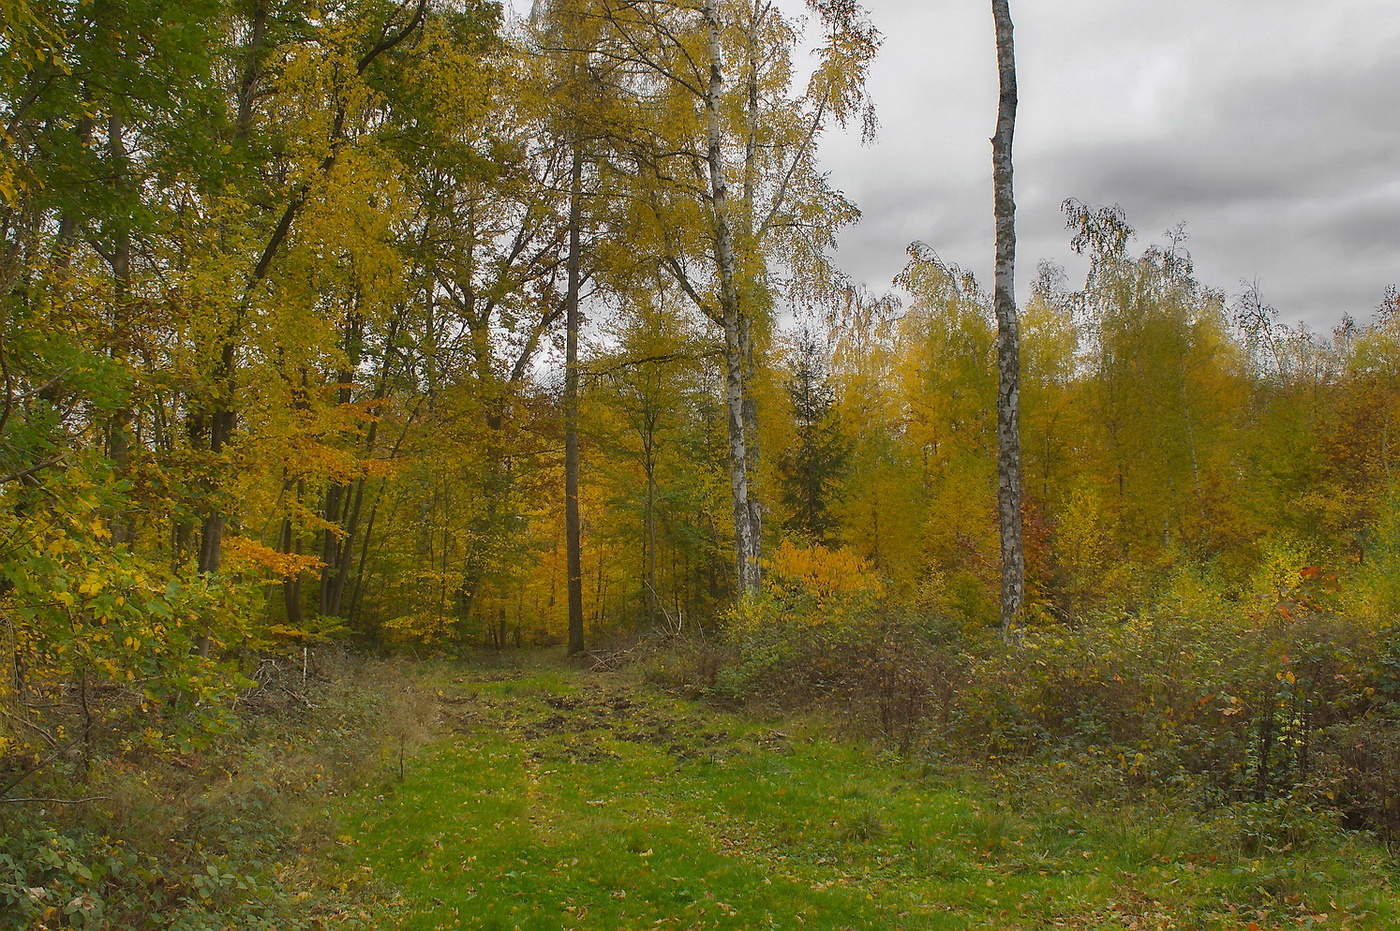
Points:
(1270, 127)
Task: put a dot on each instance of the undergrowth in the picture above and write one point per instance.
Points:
(212, 837)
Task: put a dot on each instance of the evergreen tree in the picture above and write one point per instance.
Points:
(815, 465)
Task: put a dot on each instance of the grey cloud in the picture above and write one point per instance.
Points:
(1266, 125)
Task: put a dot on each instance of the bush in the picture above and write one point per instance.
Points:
(76, 877)
(817, 610)
(687, 664)
(1276, 693)
(77, 880)
(104, 642)
(826, 627)
(1358, 771)
(212, 838)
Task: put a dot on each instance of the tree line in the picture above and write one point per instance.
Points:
(417, 324)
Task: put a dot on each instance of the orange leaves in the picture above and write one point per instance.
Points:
(313, 458)
(1325, 580)
(379, 468)
(248, 553)
(359, 411)
(310, 457)
(811, 587)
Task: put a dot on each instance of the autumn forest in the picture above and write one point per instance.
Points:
(427, 406)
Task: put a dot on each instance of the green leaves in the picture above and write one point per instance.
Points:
(83, 609)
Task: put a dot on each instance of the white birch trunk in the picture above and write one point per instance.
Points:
(1013, 563)
(746, 542)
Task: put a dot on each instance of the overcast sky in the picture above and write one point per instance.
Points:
(1270, 127)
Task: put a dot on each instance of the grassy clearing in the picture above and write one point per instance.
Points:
(564, 799)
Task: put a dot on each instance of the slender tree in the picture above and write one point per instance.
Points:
(736, 188)
(1013, 559)
(572, 531)
(566, 32)
(223, 414)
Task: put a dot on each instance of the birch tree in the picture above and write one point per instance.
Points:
(720, 76)
(1013, 559)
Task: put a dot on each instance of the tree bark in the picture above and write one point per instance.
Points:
(749, 239)
(122, 525)
(573, 531)
(746, 531)
(337, 537)
(287, 543)
(651, 601)
(1013, 562)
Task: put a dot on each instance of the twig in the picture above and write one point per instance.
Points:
(48, 738)
(25, 472)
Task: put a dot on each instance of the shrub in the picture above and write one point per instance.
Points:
(826, 626)
(816, 611)
(1274, 693)
(54, 879)
(1358, 771)
(103, 641)
(212, 839)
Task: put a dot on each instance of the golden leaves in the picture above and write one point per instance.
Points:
(242, 551)
(822, 572)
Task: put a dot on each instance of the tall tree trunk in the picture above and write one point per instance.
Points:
(339, 581)
(337, 537)
(746, 537)
(222, 416)
(1013, 560)
(650, 599)
(287, 543)
(221, 423)
(119, 442)
(334, 545)
(749, 297)
(746, 542)
(752, 451)
(572, 530)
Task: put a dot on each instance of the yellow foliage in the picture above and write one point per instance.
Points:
(242, 551)
(423, 628)
(822, 572)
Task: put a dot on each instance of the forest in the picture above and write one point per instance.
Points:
(448, 480)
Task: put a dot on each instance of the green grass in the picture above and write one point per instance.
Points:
(568, 800)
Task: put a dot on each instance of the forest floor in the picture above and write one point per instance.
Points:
(551, 797)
